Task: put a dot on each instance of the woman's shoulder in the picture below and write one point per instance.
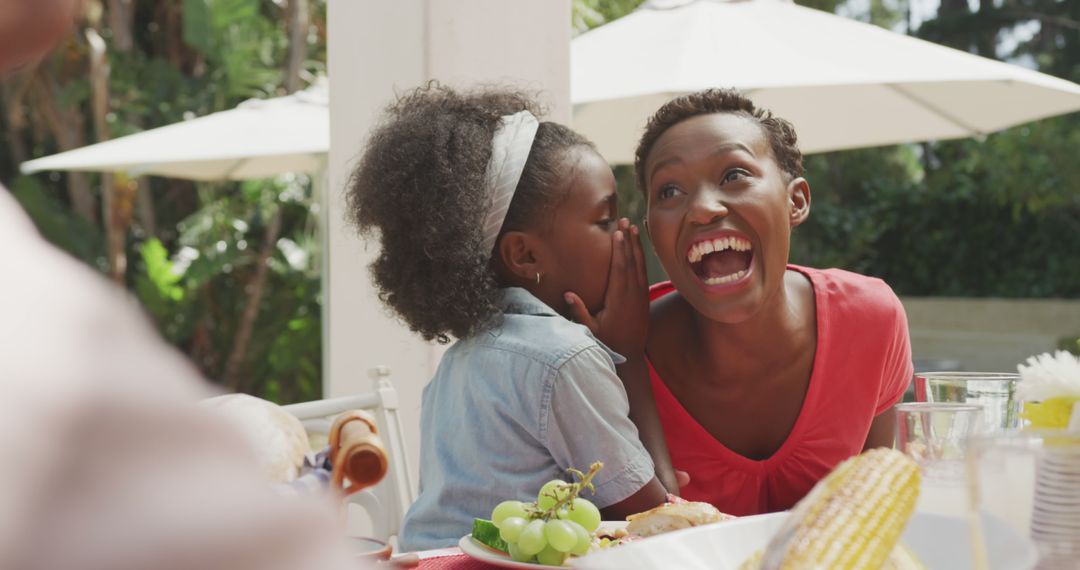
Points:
(661, 289)
(849, 291)
(669, 315)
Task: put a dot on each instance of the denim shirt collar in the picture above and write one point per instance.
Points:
(518, 301)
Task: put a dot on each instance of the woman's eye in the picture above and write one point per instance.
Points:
(606, 222)
(732, 175)
(667, 191)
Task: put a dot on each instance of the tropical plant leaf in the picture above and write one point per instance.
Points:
(197, 25)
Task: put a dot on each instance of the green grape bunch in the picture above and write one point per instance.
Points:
(559, 524)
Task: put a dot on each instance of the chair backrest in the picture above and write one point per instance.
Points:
(387, 502)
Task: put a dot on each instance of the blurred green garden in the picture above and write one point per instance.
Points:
(230, 272)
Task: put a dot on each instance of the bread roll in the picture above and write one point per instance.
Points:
(673, 516)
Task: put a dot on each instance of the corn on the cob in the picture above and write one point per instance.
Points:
(852, 519)
(901, 558)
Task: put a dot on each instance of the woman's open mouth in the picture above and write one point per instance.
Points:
(721, 260)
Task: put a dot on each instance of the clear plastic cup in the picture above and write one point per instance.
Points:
(994, 391)
(935, 436)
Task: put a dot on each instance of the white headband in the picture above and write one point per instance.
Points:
(509, 150)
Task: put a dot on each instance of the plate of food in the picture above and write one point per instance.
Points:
(611, 531)
(669, 517)
(561, 526)
(483, 553)
(860, 516)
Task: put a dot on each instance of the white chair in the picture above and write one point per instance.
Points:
(387, 502)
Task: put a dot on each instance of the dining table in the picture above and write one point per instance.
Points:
(449, 559)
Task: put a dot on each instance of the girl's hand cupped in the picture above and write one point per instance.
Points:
(623, 322)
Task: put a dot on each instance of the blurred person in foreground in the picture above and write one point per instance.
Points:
(108, 461)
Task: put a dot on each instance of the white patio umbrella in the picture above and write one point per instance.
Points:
(260, 138)
(844, 84)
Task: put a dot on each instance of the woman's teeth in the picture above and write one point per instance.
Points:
(703, 248)
(722, 260)
(726, 278)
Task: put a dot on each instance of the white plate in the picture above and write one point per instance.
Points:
(496, 558)
(493, 557)
(941, 542)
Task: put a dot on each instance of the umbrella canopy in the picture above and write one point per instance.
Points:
(844, 84)
(259, 138)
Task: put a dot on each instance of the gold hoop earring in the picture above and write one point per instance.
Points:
(538, 278)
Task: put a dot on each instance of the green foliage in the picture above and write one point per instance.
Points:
(998, 218)
(197, 26)
(216, 253)
(160, 282)
(58, 223)
(195, 272)
(588, 14)
(242, 47)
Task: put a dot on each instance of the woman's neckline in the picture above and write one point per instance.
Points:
(809, 399)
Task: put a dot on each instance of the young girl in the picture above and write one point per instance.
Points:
(769, 373)
(494, 227)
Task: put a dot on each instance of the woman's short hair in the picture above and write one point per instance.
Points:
(781, 134)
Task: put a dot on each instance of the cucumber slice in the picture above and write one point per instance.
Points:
(485, 532)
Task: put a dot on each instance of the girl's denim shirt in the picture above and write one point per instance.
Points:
(512, 408)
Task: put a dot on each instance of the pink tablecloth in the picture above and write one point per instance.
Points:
(456, 562)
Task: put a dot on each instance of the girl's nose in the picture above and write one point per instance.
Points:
(707, 206)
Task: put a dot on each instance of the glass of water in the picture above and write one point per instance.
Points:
(994, 391)
(935, 436)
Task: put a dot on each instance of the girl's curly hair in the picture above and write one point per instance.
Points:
(420, 189)
(780, 133)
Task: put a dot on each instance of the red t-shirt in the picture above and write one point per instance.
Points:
(862, 367)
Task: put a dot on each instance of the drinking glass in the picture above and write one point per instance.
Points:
(994, 391)
(1029, 483)
(934, 435)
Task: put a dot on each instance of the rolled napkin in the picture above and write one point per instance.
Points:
(354, 459)
(357, 452)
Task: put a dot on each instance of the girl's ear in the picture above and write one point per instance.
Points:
(798, 201)
(518, 252)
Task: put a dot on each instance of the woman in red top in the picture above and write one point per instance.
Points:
(765, 375)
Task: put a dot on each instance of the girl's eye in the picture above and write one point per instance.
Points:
(733, 175)
(606, 222)
(667, 191)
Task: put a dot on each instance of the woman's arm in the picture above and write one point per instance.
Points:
(634, 374)
(882, 430)
(897, 375)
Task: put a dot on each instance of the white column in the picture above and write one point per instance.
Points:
(378, 48)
